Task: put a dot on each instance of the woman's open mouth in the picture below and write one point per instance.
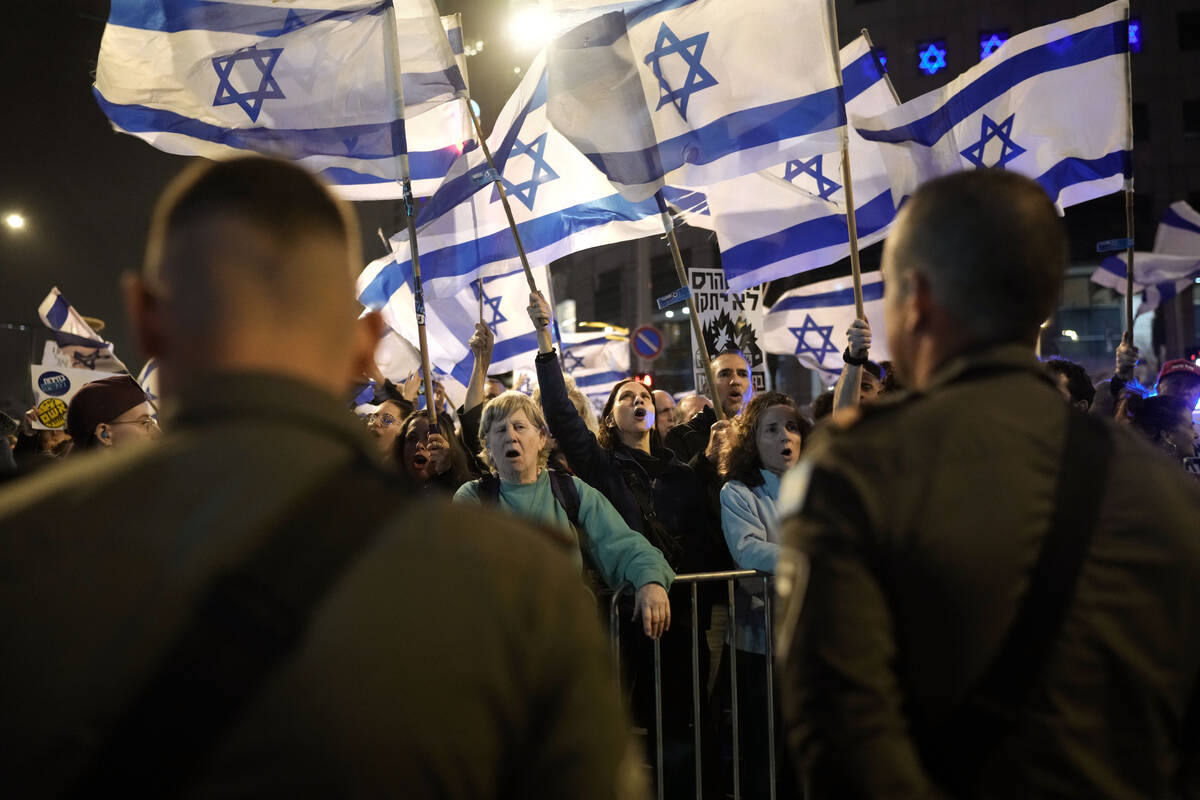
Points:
(511, 453)
(420, 461)
(640, 413)
(786, 452)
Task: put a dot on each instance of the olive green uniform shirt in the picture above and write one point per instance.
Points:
(457, 657)
(917, 528)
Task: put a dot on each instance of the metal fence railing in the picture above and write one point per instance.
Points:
(693, 581)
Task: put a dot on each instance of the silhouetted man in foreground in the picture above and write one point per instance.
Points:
(987, 593)
(250, 606)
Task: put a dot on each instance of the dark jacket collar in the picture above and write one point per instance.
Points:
(220, 397)
(988, 360)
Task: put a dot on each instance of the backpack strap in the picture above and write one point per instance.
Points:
(994, 708)
(244, 626)
(566, 495)
(489, 489)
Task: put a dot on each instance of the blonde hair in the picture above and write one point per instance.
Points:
(584, 407)
(504, 406)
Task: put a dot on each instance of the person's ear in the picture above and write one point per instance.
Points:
(367, 330)
(918, 302)
(104, 434)
(145, 309)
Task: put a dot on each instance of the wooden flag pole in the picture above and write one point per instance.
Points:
(866, 34)
(847, 184)
(1129, 193)
(393, 57)
(697, 329)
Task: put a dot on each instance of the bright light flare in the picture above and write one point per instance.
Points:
(14, 221)
(531, 27)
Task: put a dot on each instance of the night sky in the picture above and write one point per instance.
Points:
(87, 191)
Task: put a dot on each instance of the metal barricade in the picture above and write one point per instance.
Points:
(693, 580)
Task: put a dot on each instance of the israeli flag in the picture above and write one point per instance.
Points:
(452, 24)
(1051, 103)
(693, 92)
(74, 344)
(313, 84)
(596, 362)
(1169, 269)
(792, 217)
(560, 202)
(450, 321)
(810, 323)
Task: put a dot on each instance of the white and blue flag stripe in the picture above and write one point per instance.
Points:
(1050, 103)
(1169, 269)
(313, 84)
(561, 204)
(792, 217)
(810, 323)
(680, 91)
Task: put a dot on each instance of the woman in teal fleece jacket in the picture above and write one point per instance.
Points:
(514, 434)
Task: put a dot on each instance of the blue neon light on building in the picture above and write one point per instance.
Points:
(1135, 35)
(932, 56)
(990, 41)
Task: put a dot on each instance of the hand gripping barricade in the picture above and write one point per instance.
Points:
(693, 581)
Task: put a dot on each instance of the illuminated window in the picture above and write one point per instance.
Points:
(931, 56)
(1135, 35)
(990, 41)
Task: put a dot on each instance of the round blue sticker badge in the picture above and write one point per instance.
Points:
(54, 384)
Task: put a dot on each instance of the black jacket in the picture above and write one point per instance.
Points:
(672, 494)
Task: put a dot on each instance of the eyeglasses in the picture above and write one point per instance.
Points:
(382, 420)
(146, 423)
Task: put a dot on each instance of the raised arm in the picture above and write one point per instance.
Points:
(481, 344)
(849, 384)
(587, 458)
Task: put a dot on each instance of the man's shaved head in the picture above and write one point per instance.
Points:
(992, 248)
(250, 259)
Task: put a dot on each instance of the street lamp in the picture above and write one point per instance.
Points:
(531, 27)
(14, 221)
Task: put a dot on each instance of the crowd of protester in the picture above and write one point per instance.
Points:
(649, 489)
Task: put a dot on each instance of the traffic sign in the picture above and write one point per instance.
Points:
(647, 342)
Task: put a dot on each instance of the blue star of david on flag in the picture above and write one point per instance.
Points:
(691, 50)
(290, 23)
(823, 348)
(825, 186)
(542, 173)
(493, 305)
(990, 45)
(571, 362)
(250, 101)
(990, 130)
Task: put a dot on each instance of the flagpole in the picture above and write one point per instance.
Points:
(847, 184)
(499, 182)
(681, 273)
(866, 34)
(393, 55)
(562, 352)
(1129, 187)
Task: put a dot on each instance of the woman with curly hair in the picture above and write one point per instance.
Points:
(767, 440)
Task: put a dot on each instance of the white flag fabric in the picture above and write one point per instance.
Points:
(1050, 103)
(792, 218)
(811, 323)
(1169, 269)
(561, 204)
(452, 23)
(596, 361)
(313, 84)
(450, 321)
(75, 344)
(693, 92)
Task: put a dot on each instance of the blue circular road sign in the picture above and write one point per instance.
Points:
(647, 342)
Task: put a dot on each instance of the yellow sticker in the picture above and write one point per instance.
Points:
(52, 412)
